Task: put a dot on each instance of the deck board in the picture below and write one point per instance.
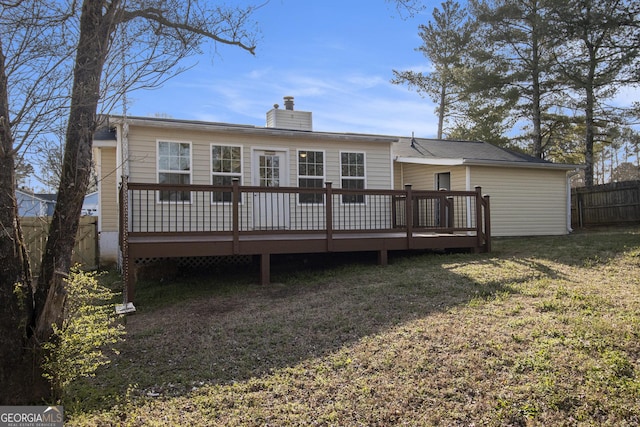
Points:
(184, 245)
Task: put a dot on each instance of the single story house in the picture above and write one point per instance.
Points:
(31, 204)
(169, 169)
(43, 205)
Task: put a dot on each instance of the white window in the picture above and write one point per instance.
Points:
(174, 167)
(226, 164)
(311, 175)
(352, 175)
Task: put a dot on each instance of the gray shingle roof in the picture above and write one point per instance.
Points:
(463, 152)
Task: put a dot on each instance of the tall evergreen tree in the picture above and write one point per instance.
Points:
(517, 34)
(446, 42)
(601, 54)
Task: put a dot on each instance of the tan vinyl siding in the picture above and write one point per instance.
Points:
(143, 163)
(524, 201)
(108, 190)
(423, 177)
(143, 155)
(398, 178)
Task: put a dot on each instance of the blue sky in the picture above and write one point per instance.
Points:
(335, 57)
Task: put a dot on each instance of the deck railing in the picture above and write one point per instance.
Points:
(178, 215)
(235, 209)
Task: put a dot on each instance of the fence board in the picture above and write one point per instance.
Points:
(85, 252)
(617, 203)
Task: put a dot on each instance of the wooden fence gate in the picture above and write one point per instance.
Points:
(85, 252)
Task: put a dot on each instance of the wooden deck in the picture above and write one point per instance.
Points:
(168, 221)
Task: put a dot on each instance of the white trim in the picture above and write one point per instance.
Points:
(431, 161)
(392, 169)
(104, 143)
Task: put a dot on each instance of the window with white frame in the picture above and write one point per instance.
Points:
(310, 175)
(352, 175)
(226, 164)
(174, 167)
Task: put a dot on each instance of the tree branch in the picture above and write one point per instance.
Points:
(157, 15)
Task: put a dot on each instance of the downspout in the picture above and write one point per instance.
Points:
(570, 175)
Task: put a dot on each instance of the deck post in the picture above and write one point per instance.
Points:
(450, 213)
(408, 211)
(329, 215)
(442, 211)
(479, 220)
(383, 257)
(129, 285)
(265, 269)
(235, 182)
(487, 223)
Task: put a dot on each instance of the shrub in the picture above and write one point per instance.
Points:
(89, 326)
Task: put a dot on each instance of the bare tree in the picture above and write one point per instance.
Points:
(407, 7)
(33, 55)
(159, 35)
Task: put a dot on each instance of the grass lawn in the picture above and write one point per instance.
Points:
(542, 331)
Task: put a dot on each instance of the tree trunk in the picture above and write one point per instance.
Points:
(96, 29)
(442, 108)
(16, 298)
(590, 102)
(535, 88)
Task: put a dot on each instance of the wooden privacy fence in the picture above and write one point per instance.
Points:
(616, 203)
(85, 252)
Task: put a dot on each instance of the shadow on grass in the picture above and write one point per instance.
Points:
(221, 327)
